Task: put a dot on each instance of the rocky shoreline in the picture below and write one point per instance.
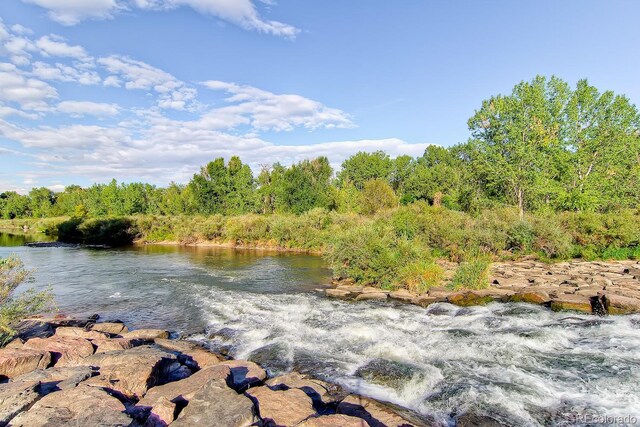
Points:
(601, 288)
(65, 371)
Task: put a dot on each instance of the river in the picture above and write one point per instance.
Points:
(523, 364)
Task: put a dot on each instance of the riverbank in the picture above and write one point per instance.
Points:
(66, 370)
(588, 287)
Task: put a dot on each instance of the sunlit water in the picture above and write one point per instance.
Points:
(522, 364)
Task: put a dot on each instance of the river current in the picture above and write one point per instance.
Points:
(522, 364)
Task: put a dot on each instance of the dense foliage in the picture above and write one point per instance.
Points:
(544, 147)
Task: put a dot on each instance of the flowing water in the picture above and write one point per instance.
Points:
(519, 363)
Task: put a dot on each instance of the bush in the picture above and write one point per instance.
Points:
(15, 308)
(421, 275)
(472, 274)
(108, 231)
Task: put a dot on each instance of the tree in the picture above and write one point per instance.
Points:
(14, 308)
(362, 167)
(14, 205)
(377, 195)
(210, 187)
(241, 196)
(306, 185)
(41, 201)
(516, 140)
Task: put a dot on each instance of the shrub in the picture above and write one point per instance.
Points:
(108, 231)
(472, 274)
(15, 308)
(520, 237)
(421, 275)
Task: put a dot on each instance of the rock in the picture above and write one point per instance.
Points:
(350, 288)
(244, 374)
(54, 379)
(15, 362)
(571, 302)
(75, 332)
(622, 305)
(182, 391)
(474, 420)
(64, 351)
(388, 373)
(282, 407)
(104, 345)
(79, 406)
(372, 296)
(272, 357)
(16, 397)
(216, 405)
(440, 294)
(201, 357)
(337, 293)
(162, 414)
(33, 328)
(132, 372)
(371, 289)
(469, 298)
(424, 300)
(402, 295)
(15, 343)
(111, 328)
(539, 297)
(376, 414)
(319, 391)
(146, 334)
(335, 420)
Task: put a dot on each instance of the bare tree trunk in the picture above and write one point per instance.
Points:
(520, 203)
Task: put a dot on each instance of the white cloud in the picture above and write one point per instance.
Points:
(64, 73)
(31, 94)
(88, 137)
(267, 111)
(112, 81)
(139, 75)
(239, 12)
(71, 12)
(82, 108)
(54, 46)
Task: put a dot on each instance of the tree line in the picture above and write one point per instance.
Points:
(545, 146)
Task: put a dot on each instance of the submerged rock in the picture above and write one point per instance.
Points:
(272, 357)
(388, 373)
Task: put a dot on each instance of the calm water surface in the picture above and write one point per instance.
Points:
(522, 364)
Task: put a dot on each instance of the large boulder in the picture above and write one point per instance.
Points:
(376, 414)
(54, 379)
(15, 362)
(15, 397)
(244, 374)
(335, 420)
(217, 405)
(619, 304)
(64, 351)
(531, 297)
(199, 357)
(182, 391)
(571, 303)
(76, 332)
(111, 328)
(146, 334)
(79, 406)
(162, 413)
(33, 328)
(282, 407)
(388, 373)
(104, 345)
(319, 391)
(132, 372)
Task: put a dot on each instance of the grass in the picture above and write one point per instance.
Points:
(472, 274)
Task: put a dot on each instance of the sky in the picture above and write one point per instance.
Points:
(151, 90)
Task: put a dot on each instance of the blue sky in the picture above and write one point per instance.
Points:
(152, 89)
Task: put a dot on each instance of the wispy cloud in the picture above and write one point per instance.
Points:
(239, 12)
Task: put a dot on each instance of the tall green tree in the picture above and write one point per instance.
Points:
(361, 167)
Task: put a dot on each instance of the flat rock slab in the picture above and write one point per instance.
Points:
(111, 328)
(65, 351)
(146, 334)
(79, 406)
(132, 372)
(244, 374)
(282, 407)
(374, 413)
(217, 405)
(317, 390)
(372, 296)
(15, 362)
(104, 345)
(54, 379)
(335, 420)
(76, 332)
(571, 303)
(16, 397)
(201, 357)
